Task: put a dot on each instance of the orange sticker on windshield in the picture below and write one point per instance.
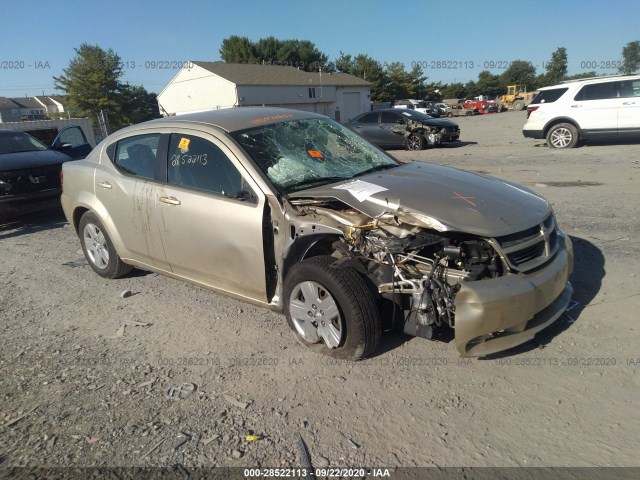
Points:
(184, 143)
(315, 154)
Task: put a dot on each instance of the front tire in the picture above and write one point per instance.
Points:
(331, 309)
(415, 141)
(98, 248)
(518, 105)
(562, 135)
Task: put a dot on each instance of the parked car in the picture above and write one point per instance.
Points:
(445, 110)
(30, 171)
(422, 106)
(292, 211)
(594, 108)
(403, 128)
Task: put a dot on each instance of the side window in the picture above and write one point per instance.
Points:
(599, 91)
(73, 136)
(369, 118)
(137, 155)
(197, 163)
(388, 117)
(631, 88)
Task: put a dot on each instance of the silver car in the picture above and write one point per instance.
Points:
(294, 212)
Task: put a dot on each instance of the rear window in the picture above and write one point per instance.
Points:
(549, 96)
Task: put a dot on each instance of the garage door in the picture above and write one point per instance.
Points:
(351, 106)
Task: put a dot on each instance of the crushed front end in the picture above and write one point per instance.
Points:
(495, 293)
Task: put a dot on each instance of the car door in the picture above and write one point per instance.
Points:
(368, 127)
(211, 217)
(629, 108)
(73, 142)
(388, 122)
(125, 186)
(595, 108)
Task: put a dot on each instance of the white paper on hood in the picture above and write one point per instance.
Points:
(361, 190)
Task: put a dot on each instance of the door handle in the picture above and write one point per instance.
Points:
(628, 103)
(170, 200)
(576, 106)
(104, 184)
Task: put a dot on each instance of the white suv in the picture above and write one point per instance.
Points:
(599, 107)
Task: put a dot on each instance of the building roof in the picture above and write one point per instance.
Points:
(8, 103)
(57, 98)
(258, 74)
(46, 100)
(27, 102)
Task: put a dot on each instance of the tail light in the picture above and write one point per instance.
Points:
(531, 109)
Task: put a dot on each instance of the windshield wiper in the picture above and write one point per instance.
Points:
(376, 169)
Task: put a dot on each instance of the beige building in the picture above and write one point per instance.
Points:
(202, 86)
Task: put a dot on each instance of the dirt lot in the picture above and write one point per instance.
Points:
(84, 371)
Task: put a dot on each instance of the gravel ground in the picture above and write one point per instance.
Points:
(84, 371)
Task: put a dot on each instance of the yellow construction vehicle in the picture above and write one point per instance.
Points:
(516, 98)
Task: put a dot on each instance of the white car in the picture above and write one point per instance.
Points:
(599, 107)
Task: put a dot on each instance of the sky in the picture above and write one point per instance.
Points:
(453, 40)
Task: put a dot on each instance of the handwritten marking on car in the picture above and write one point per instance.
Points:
(467, 199)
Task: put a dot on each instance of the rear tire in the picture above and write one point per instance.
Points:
(518, 105)
(331, 309)
(562, 135)
(98, 248)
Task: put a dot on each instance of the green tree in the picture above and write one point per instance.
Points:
(578, 76)
(401, 84)
(236, 49)
(520, 72)
(556, 67)
(91, 82)
(454, 90)
(472, 89)
(366, 68)
(488, 84)
(135, 105)
(418, 79)
(297, 53)
(630, 58)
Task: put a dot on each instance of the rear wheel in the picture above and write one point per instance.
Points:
(416, 142)
(518, 105)
(98, 249)
(331, 310)
(562, 135)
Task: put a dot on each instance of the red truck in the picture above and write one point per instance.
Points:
(481, 105)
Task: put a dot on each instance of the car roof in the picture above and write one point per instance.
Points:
(582, 81)
(233, 119)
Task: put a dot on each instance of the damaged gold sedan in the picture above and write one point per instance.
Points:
(292, 211)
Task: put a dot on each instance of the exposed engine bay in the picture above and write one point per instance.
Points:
(433, 135)
(420, 270)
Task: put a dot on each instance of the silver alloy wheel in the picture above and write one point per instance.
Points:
(315, 314)
(96, 246)
(413, 142)
(561, 137)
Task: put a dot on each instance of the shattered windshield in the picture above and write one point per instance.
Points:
(301, 154)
